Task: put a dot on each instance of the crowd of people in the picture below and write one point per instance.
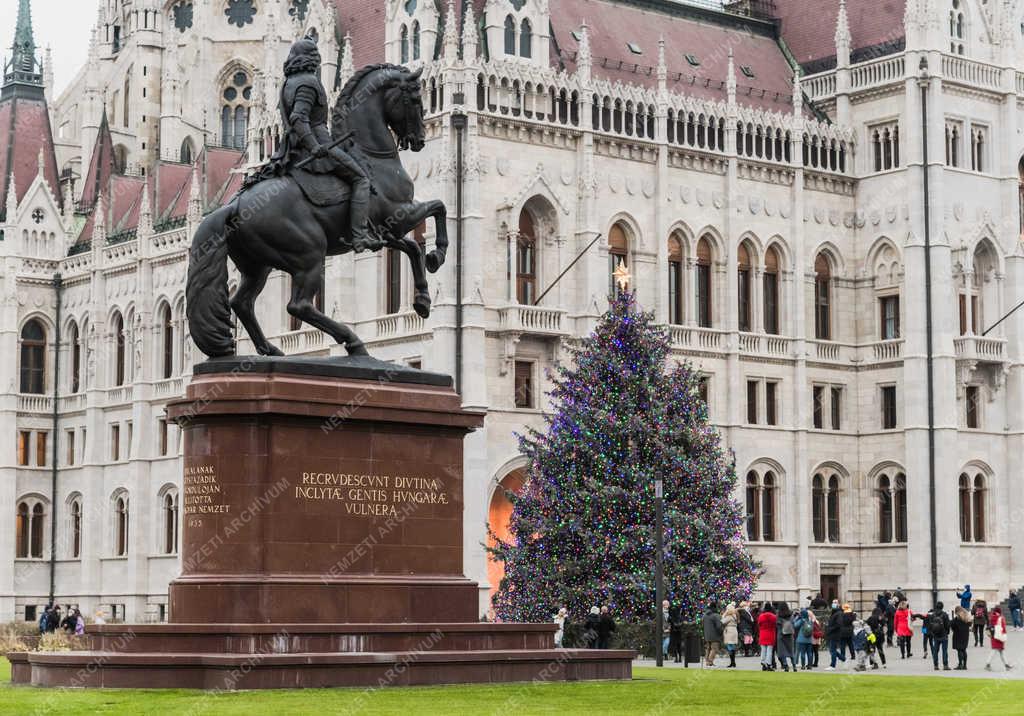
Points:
(793, 639)
(50, 620)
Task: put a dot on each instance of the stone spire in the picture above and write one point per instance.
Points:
(798, 94)
(48, 75)
(584, 58)
(843, 37)
(12, 200)
(69, 205)
(348, 65)
(451, 34)
(99, 225)
(145, 227)
(24, 58)
(195, 201)
(730, 80)
(470, 39)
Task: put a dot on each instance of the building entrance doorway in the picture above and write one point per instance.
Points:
(830, 587)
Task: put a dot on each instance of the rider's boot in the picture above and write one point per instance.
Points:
(359, 209)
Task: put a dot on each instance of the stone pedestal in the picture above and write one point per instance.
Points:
(322, 519)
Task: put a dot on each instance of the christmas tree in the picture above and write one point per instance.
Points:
(582, 529)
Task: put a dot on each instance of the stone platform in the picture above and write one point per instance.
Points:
(274, 656)
(322, 545)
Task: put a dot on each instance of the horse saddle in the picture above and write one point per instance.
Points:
(321, 189)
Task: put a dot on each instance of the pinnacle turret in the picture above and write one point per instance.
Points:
(24, 67)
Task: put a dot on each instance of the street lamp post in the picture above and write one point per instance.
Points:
(659, 567)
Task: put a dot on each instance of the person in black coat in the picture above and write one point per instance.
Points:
(745, 628)
(834, 636)
(590, 628)
(877, 623)
(961, 628)
(938, 635)
(846, 629)
(675, 634)
(605, 627)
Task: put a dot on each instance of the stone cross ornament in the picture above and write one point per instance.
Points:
(332, 188)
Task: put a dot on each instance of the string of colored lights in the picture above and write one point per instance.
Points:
(582, 531)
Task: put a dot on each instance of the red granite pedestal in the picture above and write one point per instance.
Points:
(322, 545)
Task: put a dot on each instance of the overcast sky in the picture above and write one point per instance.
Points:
(64, 25)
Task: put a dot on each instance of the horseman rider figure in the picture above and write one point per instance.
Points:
(304, 111)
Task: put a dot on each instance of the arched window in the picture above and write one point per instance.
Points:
(675, 280)
(818, 508)
(525, 39)
(978, 511)
(965, 508)
(117, 331)
(771, 291)
(75, 342)
(121, 526)
(822, 298)
(234, 114)
(499, 518)
(900, 501)
(404, 45)
(170, 523)
(22, 524)
(825, 508)
(1020, 194)
(618, 257)
(127, 99)
(957, 28)
(704, 287)
(416, 40)
(884, 500)
(761, 501)
(743, 287)
(186, 153)
(526, 260)
(33, 357)
(510, 35)
(833, 509)
(167, 337)
(75, 538)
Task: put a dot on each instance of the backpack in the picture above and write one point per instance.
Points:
(806, 629)
(935, 625)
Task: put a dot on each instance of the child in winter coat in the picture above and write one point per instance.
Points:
(862, 646)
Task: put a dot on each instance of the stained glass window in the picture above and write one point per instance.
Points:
(183, 14)
(240, 12)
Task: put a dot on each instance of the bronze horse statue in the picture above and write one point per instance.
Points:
(271, 225)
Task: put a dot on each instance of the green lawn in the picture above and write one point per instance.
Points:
(668, 691)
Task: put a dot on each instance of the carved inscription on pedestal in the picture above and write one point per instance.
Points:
(203, 495)
(371, 495)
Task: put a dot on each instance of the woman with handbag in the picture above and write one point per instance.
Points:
(997, 637)
(746, 628)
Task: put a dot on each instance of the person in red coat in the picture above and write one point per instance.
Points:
(766, 625)
(997, 637)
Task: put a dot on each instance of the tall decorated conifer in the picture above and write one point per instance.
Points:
(582, 530)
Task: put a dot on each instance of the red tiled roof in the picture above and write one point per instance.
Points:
(127, 197)
(613, 25)
(219, 164)
(101, 165)
(24, 131)
(811, 35)
(364, 20)
(172, 180)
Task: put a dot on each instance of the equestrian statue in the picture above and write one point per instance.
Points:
(325, 192)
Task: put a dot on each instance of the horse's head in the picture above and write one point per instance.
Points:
(403, 110)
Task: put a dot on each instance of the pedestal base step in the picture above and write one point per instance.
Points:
(105, 669)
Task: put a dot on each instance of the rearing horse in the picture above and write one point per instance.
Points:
(272, 225)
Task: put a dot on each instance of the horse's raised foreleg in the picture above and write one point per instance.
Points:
(244, 303)
(305, 285)
(421, 299)
(435, 259)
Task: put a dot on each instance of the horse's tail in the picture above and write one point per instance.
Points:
(206, 292)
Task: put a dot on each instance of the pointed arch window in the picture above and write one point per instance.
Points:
(121, 526)
(618, 256)
(510, 35)
(818, 508)
(675, 280)
(234, 117)
(170, 523)
(771, 291)
(404, 44)
(885, 511)
(704, 286)
(75, 538)
(33, 357)
(75, 341)
(29, 529)
(22, 527)
(167, 334)
(965, 508)
(117, 329)
(761, 501)
(957, 28)
(526, 260)
(743, 286)
(416, 40)
(978, 508)
(525, 39)
(822, 298)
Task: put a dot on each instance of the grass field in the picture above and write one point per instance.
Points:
(668, 691)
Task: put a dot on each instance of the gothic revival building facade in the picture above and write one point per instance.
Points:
(779, 196)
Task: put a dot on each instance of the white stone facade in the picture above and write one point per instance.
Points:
(781, 205)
